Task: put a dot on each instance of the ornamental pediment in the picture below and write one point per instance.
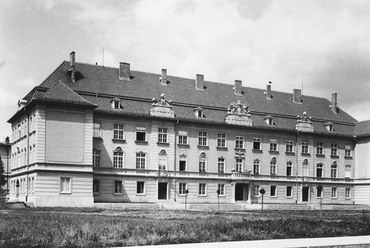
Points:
(238, 114)
(162, 108)
(304, 123)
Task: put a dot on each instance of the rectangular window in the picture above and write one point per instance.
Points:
(305, 149)
(289, 169)
(118, 187)
(256, 143)
(118, 159)
(256, 190)
(348, 193)
(319, 170)
(347, 151)
(202, 139)
(272, 191)
(162, 135)
(239, 164)
(319, 193)
(333, 192)
(140, 188)
(182, 163)
(183, 137)
(140, 160)
(256, 167)
(95, 186)
(97, 130)
(65, 185)
(333, 173)
(202, 189)
(182, 188)
(273, 145)
(118, 132)
(221, 165)
(334, 150)
(202, 164)
(289, 191)
(319, 148)
(140, 134)
(239, 142)
(221, 189)
(221, 140)
(96, 158)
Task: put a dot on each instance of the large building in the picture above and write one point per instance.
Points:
(91, 133)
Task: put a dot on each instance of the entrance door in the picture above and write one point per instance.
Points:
(305, 193)
(241, 192)
(162, 191)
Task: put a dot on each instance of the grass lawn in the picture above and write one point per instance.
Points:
(61, 227)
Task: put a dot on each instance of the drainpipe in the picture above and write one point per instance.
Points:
(175, 160)
(28, 153)
(7, 166)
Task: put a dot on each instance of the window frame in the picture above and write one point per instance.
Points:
(140, 160)
(202, 189)
(273, 145)
(202, 162)
(273, 166)
(140, 183)
(256, 164)
(334, 192)
(289, 146)
(118, 131)
(118, 158)
(239, 142)
(182, 188)
(257, 142)
(182, 158)
(96, 157)
(221, 189)
(221, 165)
(61, 185)
(320, 166)
(334, 170)
(289, 164)
(163, 135)
(273, 189)
(305, 147)
(334, 150)
(221, 141)
(347, 193)
(96, 186)
(289, 191)
(141, 131)
(183, 137)
(119, 190)
(319, 148)
(202, 138)
(239, 164)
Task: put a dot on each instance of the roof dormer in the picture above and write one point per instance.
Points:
(199, 112)
(116, 103)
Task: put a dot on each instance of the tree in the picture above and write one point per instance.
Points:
(2, 177)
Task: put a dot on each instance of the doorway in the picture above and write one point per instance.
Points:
(305, 193)
(241, 192)
(162, 191)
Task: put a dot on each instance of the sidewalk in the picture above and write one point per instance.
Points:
(277, 243)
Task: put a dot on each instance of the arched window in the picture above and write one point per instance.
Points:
(182, 162)
(273, 166)
(289, 168)
(334, 169)
(202, 162)
(256, 166)
(118, 158)
(162, 160)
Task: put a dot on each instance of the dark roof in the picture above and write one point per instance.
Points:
(100, 84)
(362, 128)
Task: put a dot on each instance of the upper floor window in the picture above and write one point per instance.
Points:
(256, 143)
(273, 166)
(162, 160)
(183, 137)
(202, 139)
(221, 140)
(140, 134)
(221, 165)
(96, 158)
(273, 145)
(182, 162)
(118, 132)
(319, 170)
(202, 162)
(334, 150)
(118, 158)
(162, 135)
(347, 171)
(347, 151)
(289, 168)
(289, 146)
(319, 148)
(334, 168)
(256, 166)
(239, 164)
(239, 142)
(305, 147)
(140, 160)
(97, 130)
(305, 168)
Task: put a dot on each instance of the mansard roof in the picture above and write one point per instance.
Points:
(99, 84)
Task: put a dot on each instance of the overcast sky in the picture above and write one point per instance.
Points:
(324, 44)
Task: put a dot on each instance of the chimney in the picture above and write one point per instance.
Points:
(72, 66)
(199, 82)
(124, 71)
(334, 102)
(7, 140)
(268, 92)
(297, 96)
(238, 88)
(163, 78)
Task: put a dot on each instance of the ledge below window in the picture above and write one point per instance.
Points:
(183, 145)
(221, 148)
(163, 143)
(346, 157)
(305, 154)
(119, 140)
(334, 156)
(290, 153)
(273, 152)
(141, 142)
(257, 150)
(320, 155)
(203, 147)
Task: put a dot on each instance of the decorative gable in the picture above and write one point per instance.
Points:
(238, 114)
(304, 123)
(162, 107)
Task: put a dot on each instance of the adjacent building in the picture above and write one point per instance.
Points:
(5, 160)
(91, 133)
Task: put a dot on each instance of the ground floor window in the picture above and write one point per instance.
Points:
(256, 190)
(65, 185)
(140, 188)
(272, 191)
(202, 189)
(319, 193)
(182, 188)
(289, 191)
(118, 187)
(95, 186)
(348, 193)
(221, 189)
(333, 192)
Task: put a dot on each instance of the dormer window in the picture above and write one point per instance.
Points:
(269, 120)
(199, 112)
(116, 103)
(329, 126)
